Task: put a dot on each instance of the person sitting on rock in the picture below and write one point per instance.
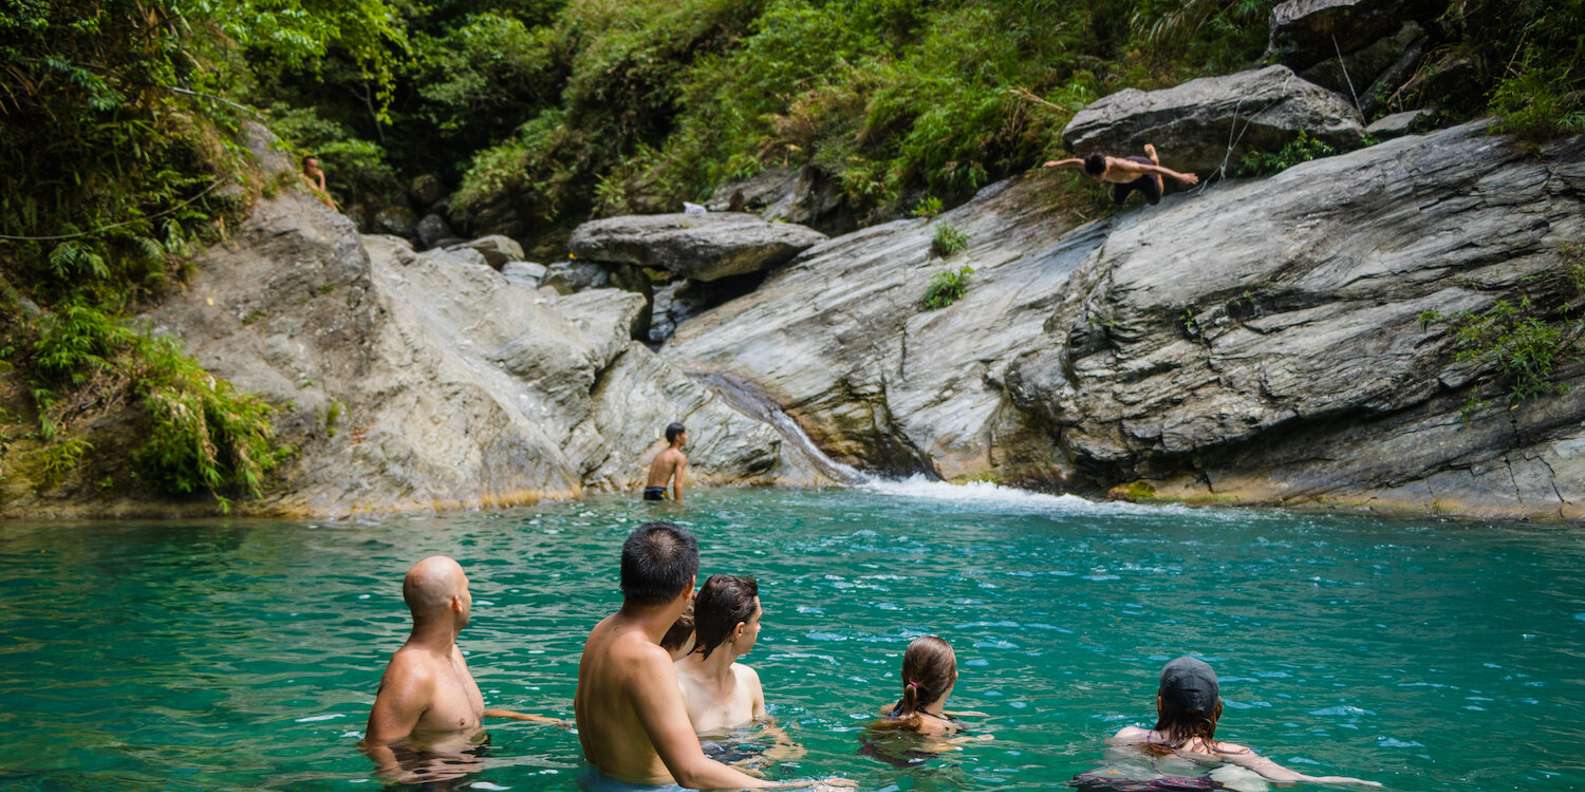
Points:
(1127, 174)
(315, 176)
(669, 466)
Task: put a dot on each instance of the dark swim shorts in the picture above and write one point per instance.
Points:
(1149, 185)
(654, 493)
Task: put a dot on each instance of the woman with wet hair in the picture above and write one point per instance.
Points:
(721, 693)
(1188, 708)
(930, 671)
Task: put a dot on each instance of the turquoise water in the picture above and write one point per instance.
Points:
(1425, 655)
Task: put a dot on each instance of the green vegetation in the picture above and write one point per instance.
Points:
(1524, 60)
(120, 157)
(948, 241)
(946, 288)
(928, 207)
(1521, 343)
(1301, 149)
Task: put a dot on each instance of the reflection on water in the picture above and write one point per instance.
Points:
(233, 654)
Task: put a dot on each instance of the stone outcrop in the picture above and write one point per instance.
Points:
(1400, 124)
(807, 196)
(496, 249)
(1206, 124)
(1262, 342)
(428, 380)
(1307, 32)
(700, 247)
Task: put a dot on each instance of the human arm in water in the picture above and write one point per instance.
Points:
(678, 477)
(657, 700)
(1133, 168)
(523, 716)
(1246, 758)
(405, 693)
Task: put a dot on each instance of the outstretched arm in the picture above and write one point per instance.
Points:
(1248, 759)
(1186, 178)
(1073, 162)
(523, 716)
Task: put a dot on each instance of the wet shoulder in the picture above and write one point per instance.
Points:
(1131, 734)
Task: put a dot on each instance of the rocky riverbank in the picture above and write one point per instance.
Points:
(1300, 340)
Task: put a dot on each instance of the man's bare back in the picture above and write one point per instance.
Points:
(618, 662)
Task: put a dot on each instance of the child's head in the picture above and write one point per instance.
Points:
(930, 669)
(1188, 701)
(678, 640)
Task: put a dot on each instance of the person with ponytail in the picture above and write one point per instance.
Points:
(1188, 707)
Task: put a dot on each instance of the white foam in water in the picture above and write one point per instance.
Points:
(986, 493)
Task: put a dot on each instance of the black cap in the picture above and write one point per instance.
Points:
(1189, 686)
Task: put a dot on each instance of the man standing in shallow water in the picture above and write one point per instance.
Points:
(428, 705)
(669, 466)
(631, 719)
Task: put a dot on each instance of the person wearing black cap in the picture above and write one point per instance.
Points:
(1188, 705)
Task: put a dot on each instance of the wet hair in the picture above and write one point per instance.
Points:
(724, 602)
(929, 668)
(674, 429)
(677, 635)
(659, 560)
(1095, 164)
(1181, 723)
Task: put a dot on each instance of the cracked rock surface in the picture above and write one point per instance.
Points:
(1260, 342)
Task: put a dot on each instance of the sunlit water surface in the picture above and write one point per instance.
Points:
(224, 655)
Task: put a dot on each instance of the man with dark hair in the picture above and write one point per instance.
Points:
(1127, 174)
(631, 719)
(669, 466)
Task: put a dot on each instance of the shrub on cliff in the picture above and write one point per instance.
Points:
(946, 288)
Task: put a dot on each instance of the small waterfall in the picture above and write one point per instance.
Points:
(748, 399)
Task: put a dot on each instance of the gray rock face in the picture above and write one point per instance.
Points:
(1307, 32)
(1400, 124)
(1257, 343)
(698, 247)
(808, 196)
(452, 391)
(431, 229)
(568, 277)
(496, 249)
(1355, 74)
(524, 273)
(1192, 124)
(397, 221)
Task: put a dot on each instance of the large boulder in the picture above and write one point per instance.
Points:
(1307, 32)
(496, 249)
(1206, 124)
(396, 221)
(569, 277)
(524, 273)
(808, 196)
(426, 190)
(1260, 343)
(432, 230)
(701, 247)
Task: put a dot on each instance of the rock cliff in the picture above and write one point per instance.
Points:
(1257, 342)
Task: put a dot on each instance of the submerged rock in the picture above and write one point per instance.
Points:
(1205, 124)
(697, 247)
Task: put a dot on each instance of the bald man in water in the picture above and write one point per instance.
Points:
(428, 702)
